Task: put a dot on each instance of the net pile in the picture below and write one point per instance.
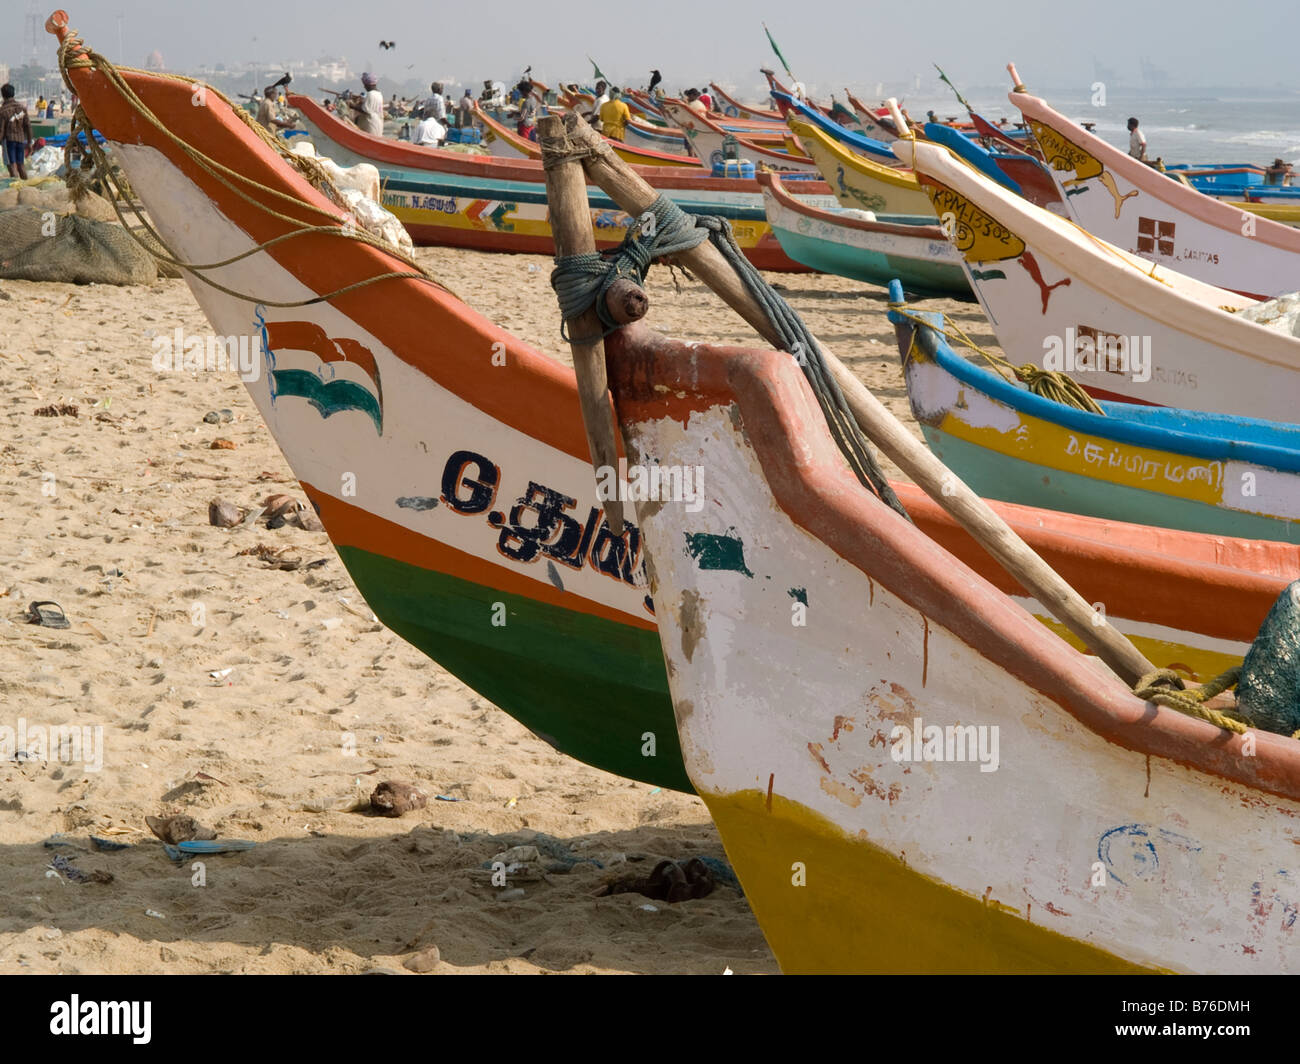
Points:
(41, 245)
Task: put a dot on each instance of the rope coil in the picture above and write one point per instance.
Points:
(1049, 383)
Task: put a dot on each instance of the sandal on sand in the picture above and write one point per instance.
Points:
(41, 613)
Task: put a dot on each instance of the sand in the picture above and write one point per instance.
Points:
(223, 686)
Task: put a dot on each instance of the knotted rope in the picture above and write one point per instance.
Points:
(581, 280)
(1049, 383)
(1165, 687)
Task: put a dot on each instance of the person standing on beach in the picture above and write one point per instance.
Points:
(436, 105)
(526, 125)
(614, 116)
(1137, 141)
(602, 98)
(15, 132)
(465, 110)
(368, 111)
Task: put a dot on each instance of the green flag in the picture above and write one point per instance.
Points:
(598, 73)
(944, 78)
(772, 42)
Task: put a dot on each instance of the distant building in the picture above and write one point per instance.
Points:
(155, 61)
(332, 68)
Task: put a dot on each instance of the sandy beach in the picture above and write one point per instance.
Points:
(265, 702)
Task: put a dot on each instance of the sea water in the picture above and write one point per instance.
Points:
(1181, 126)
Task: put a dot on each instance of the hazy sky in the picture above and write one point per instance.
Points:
(828, 44)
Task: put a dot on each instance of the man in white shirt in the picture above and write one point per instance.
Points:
(430, 133)
(602, 98)
(368, 111)
(1137, 141)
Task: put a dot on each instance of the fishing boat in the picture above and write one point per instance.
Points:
(1018, 171)
(874, 250)
(474, 500)
(515, 146)
(859, 182)
(711, 142)
(874, 123)
(1135, 207)
(733, 108)
(1202, 472)
(661, 138)
(877, 729)
(1064, 300)
(875, 150)
(492, 204)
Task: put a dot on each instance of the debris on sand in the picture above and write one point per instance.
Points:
(180, 828)
(669, 881)
(58, 410)
(393, 798)
(224, 514)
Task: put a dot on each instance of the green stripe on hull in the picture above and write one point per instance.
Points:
(919, 276)
(590, 687)
(998, 476)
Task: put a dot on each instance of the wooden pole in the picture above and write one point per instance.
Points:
(566, 193)
(633, 195)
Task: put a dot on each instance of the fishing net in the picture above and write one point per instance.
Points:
(1268, 692)
(40, 245)
(1281, 314)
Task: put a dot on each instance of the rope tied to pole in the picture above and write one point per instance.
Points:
(1165, 687)
(581, 281)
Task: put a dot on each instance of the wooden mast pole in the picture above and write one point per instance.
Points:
(634, 196)
(570, 217)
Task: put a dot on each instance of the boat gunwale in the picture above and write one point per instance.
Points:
(1113, 425)
(653, 377)
(772, 182)
(1111, 276)
(1159, 186)
(410, 157)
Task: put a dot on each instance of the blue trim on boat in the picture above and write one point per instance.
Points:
(983, 161)
(1216, 437)
(833, 129)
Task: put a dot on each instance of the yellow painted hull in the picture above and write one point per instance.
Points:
(862, 910)
(860, 183)
(1286, 213)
